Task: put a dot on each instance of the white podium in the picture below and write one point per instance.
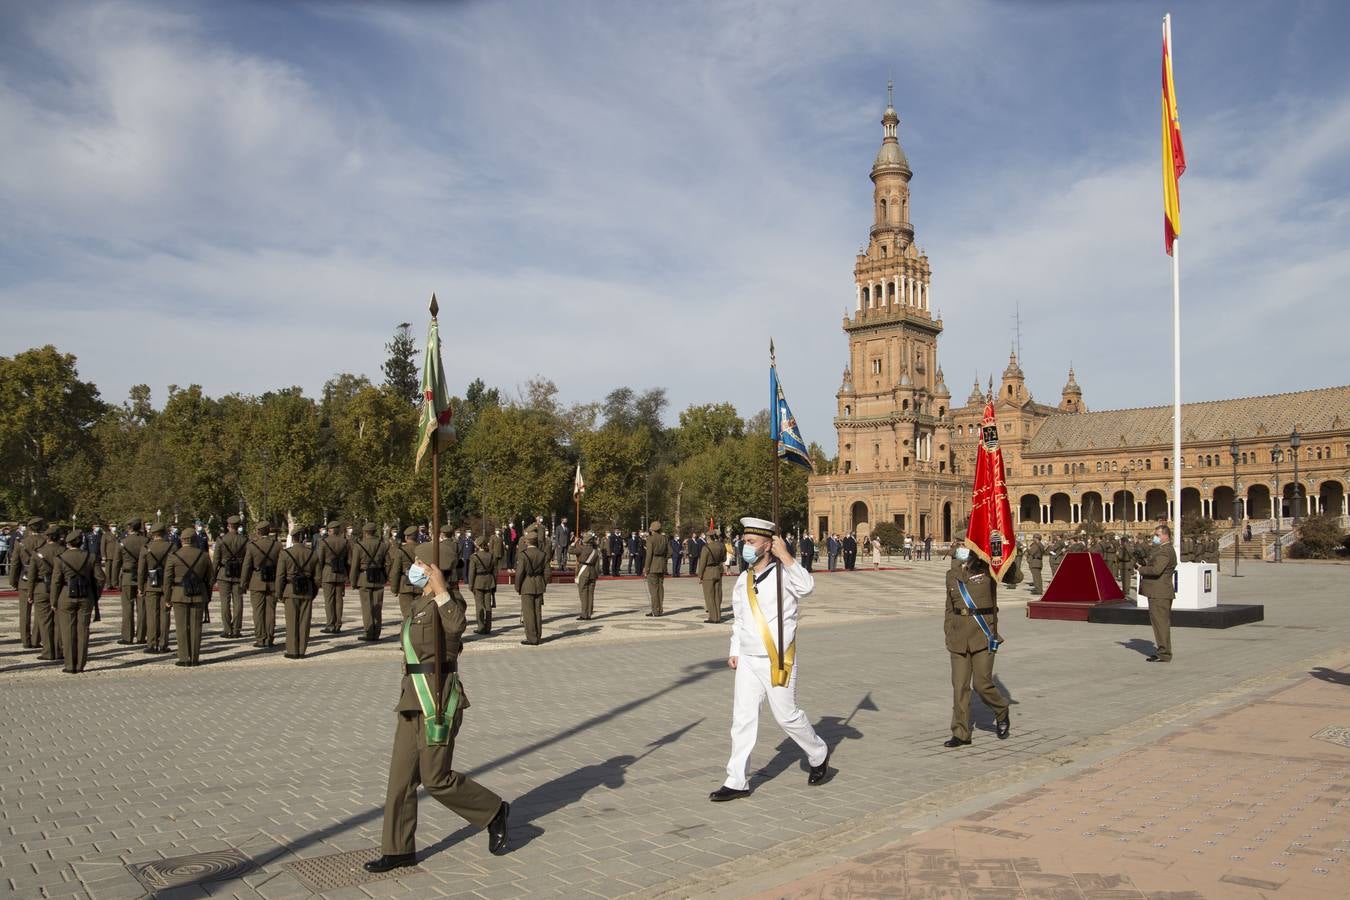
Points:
(1196, 584)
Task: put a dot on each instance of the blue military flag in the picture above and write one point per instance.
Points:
(787, 437)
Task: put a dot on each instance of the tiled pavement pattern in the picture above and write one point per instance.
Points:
(606, 742)
(1254, 802)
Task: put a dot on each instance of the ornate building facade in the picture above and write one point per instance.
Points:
(906, 452)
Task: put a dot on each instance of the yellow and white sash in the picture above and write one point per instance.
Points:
(778, 674)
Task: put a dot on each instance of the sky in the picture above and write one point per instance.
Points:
(250, 196)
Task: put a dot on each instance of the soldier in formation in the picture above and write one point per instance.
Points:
(331, 566)
(76, 581)
(369, 561)
(654, 567)
(295, 587)
(155, 608)
(970, 627)
(21, 577)
(259, 575)
(709, 572)
(588, 559)
(1035, 554)
(482, 581)
(531, 583)
(188, 576)
(228, 558)
(126, 562)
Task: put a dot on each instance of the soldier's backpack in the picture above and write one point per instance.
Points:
(192, 582)
(301, 581)
(374, 567)
(154, 575)
(267, 569)
(78, 586)
(234, 564)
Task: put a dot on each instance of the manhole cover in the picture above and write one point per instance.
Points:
(328, 873)
(194, 869)
(1334, 734)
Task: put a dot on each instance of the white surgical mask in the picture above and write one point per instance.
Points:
(418, 576)
(962, 554)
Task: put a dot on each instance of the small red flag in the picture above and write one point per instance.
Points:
(990, 535)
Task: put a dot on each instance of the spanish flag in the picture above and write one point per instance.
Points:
(1173, 154)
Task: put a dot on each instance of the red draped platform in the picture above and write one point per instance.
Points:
(1082, 581)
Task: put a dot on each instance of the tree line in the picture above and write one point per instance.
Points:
(69, 455)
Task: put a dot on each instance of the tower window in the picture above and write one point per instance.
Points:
(876, 367)
(883, 251)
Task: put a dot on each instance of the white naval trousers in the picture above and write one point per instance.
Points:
(752, 686)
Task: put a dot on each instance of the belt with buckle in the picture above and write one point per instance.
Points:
(966, 611)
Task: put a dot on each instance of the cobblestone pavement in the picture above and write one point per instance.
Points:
(606, 739)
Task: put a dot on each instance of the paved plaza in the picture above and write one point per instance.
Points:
(608, 737)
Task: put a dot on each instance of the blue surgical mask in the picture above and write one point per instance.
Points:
(418, 576)
(1157, 539)
(749, 554)
(962, 554)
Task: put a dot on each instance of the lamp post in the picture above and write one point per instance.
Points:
(1276, 455)
(1233, 452)
(1294, 442)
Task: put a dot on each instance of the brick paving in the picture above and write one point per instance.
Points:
(606, 741)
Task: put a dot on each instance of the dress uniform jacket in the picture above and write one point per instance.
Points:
(401, 556)
(231, 546)
(188, 610)
(531, 582)
(296, 560)
(962, 632)
(153, 557)
(658, 554)
(482, 574)
(1155, 575)
(332, 565)
(41, 563)
(366, 553)
(262, 552)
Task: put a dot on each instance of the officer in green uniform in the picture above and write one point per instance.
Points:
(1123, 562)
(1155, 583)
(150, 577)
(332, 567)
(448, 561)
(1036, 563)
(369, 557)
(588, 572)
(1056, 555)
(76, 580)
(709, 572)
(44, 615)
(482, 578)
(188, 576)
(230, 550)
(126, 560)
(970, 650)
(296, 586)
(21, 580)
(107, 549)
(400, 558)
(654, 566)
(497, 547)
(259, 574)
(531, 582)
(423, 746)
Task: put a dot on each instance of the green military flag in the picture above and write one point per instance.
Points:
(437, 418)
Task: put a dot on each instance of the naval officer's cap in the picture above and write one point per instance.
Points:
(763, 527)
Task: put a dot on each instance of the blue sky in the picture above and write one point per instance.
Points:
(252, 195)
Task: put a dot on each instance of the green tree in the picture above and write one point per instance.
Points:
(400, 366)
(614, 463)
(45, 423)
(704, 426)
(1319, 537)
(514, 459)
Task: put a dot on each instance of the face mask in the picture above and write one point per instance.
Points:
(417, 576)
(749, 554)
(962, 554)
(1157, 539)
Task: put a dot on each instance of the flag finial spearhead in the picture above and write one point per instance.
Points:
(435, 307)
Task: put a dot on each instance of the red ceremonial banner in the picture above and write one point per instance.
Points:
(990, 535)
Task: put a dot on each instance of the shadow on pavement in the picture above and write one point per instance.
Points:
(1142, 647)
(1322, 673)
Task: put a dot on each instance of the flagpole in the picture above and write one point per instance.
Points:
(1176, 387)
(773, 447)
(437, 632)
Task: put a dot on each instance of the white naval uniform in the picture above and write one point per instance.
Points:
(752, 670)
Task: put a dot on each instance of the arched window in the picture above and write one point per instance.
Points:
(848, 410)
(883, 209)
(1115, 465)
(1148, 464)
(942, 411)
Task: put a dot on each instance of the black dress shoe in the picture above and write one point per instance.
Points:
(648, 615)
(182, 663)
(955, 742)
(1151, 659)
(292, 655)
(122, 642)
(149, 650)
(1003, 729)
(724, 793)
(819, 772)
(497, 830)
(387, 862)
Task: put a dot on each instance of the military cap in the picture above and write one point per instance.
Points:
(75, 537)
(263, 527)
(655, 526)
(369, 528)
(233, 520)
(55, 531)
(410, 531)
(156, 527)
(448, 530)
(299, 533)
(334, 524)
(762, 527)
(134, 524)
(37, 522)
